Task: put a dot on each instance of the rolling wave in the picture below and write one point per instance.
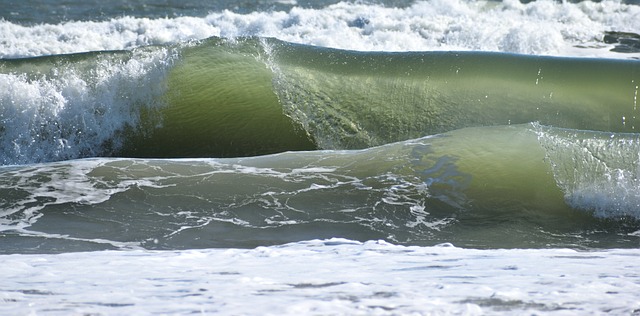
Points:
(252, 96)
(464, 187)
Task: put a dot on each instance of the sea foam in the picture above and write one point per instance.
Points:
(542, 27)
(319, 277)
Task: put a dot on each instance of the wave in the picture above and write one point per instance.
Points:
(564, 28)
(597, 171)
(465, 187)
(252, 96)
(349, 99)
(70, 106)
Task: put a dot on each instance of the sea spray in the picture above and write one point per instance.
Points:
(71, 106)
(597, 171)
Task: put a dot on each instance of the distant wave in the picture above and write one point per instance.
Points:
(539, 27)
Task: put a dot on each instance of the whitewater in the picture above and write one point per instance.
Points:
(325, 277)
(538, 27)
(319, 157)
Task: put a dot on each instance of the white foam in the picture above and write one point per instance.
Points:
(324, 277)
(72, 113)
(116, 34)
(543, 27)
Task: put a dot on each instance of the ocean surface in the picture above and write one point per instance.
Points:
(433, 157)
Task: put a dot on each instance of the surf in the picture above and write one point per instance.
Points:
(465, 186)
(253, 96)
(574, 28)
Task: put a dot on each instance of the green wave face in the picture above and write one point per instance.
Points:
(251, 96)
(254, 96)
(359, 99)
(220, 102)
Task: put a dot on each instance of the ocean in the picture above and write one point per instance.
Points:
(429, 157)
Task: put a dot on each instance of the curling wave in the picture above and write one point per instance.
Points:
(251, 96)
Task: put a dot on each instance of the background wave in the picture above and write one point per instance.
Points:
(599, 29)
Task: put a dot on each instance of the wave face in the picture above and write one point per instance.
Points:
(463, 187)
(243, 97)
(348, 99)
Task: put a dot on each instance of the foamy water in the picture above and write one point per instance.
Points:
(324, 277)
(541, 27)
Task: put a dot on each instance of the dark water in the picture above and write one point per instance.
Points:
(48, 11)
(51, 11)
